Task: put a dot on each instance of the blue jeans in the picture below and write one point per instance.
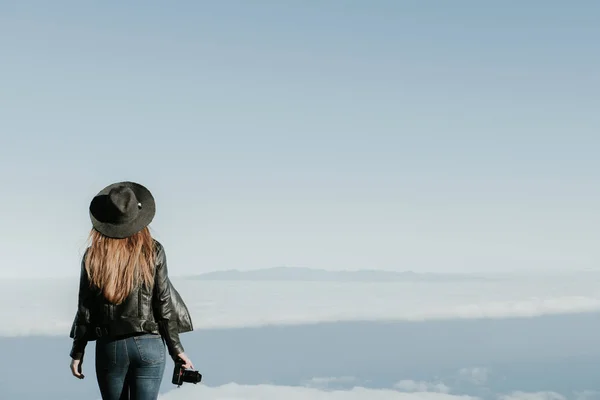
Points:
(130, 368)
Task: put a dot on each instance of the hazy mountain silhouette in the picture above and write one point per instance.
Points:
(309, 274)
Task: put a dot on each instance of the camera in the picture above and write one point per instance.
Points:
(181, 374)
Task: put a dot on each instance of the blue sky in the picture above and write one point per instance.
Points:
(430, 136)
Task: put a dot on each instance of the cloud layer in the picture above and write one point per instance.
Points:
(51, 304)
(423, 391)
(234, 391)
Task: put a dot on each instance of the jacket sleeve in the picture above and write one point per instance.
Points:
(165, 315)
(79, 329)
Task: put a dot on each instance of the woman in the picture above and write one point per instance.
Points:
(126, 301)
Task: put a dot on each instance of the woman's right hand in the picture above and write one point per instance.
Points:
(76, 368)
(187, 363)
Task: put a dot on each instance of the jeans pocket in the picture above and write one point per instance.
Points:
(151, 348)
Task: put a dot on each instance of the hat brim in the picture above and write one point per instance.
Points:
(120, 231)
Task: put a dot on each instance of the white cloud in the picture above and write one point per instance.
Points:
(421, 386)
(475, 375)
(587, 395)
(51, 303)
(234, 391)
(532, 396)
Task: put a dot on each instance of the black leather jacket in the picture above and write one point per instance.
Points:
(159, 310)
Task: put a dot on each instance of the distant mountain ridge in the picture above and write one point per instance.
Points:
(309, 274)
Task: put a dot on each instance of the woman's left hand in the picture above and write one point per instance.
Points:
(76, 368)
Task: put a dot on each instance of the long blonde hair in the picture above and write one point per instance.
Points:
(117, 266)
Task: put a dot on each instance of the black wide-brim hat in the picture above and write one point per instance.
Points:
(122, 209)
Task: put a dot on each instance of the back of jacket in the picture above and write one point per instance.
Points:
(159, 310)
